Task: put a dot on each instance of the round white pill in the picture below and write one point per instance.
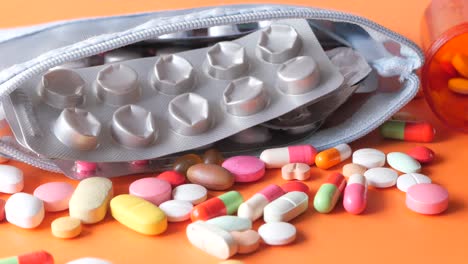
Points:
(176, 210)
(277, 233)
(89, 261)
(24, 210)
(407, 180)
(193, 193)
(11, 179)
(381, 177)
(369, 158)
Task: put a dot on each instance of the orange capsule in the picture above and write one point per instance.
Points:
(333, 156)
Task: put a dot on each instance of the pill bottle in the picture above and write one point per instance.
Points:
(444, 34)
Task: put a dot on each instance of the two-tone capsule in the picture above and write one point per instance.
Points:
(253, 207)
(355, 194)
(39, 257)
(278, 157)
(408, 131)
(225, 204)
(333, 156)
(329, 193)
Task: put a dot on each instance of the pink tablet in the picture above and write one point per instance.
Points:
(55, 195)
(151, 189)
(427, 198)
(245, 168)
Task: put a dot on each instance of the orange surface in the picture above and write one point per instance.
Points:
(386, 233)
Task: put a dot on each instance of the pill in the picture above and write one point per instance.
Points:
(295, 171)
(11, 180)
(90, 200)
(38, 257)
(213, 156)
(151, 189)
(231, 223)
(2, 209)
(66, 227)
(247, 241)
(192, 193)
(427, 198)
(460, 63)
(55, 195)
(421, 154)
(85, 167)
(329, 192)
(403, 162)
(253, 208)
(139, 163)
(211, 239)
(173, 177)
(245, 168)
(407, 180)
(183, 163)
(89, 261)
(333, 156)
(176, 210)
(369, 158)
(278, 157)
(355, 194)
(277, 233)
(458, 85)
(295, 186)
(381, 177)
(353, 168)
(286, 207)
(225, 204)
(211, 176)
(138, 214)
(24, 210)
(408, 131)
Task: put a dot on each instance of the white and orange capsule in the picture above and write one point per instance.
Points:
(355, 194)
(333, 156)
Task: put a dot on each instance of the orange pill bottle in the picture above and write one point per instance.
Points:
(444, 36)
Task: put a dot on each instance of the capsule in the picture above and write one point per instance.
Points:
(39, 257)
(253, 207)
(333, 156)
(225, 204)
(355, 194)
(329, 193)
(408, 131)
(278, 157)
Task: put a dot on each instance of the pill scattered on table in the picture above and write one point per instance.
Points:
(295, 171)
(278, 157)
(381, 177)
(211, 176)
(403, 162)
(183, 163)
(355, 194)
(213, 156)
(352, 168)
(277, 233)
(211, 239)
(329, 192)
(11, 180)
(173, 177)
(66, 227)
(333, 156)
(253, 207)
(427, 198)
(407, 180)
(176, 210)
(224, 204)
(247, 241)
(286, 207)
(422, 154)
(369, 158)
(55, 195)
(38, 257)
(295, 186)
(245, 168)
(152, 189)
(24, 210)
(231, 223)
(193, 193)
(408, 131)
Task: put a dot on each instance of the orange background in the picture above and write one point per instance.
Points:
(386, 233)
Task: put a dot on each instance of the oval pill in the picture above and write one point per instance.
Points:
(253, 207)
(458, 85)
(176, 210)
(213, 156)
(329, 192)
(66, 227)
(211, 239)
(460, 63)
(55, 195)
(89, 261)
(173, 177)
(231, 223)
(193, 193)
(427, 198)
(295, 171)
(183, 163)
(90, 200)
(277, 233)
(151, 189)
(247, 241)
(24, 210)
(407, 180)
(138, 214)
(225, 204)
(245, 168)
(333, 156)
(421, 154)
(278, 157)
(211, 176)
(352, 168)
(11, 180)
(295, 186)
(381, 177)
(286, 207)
(403, 162)
(369, 158)
(355, 194)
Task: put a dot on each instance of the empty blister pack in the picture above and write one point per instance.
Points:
(150, 107)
